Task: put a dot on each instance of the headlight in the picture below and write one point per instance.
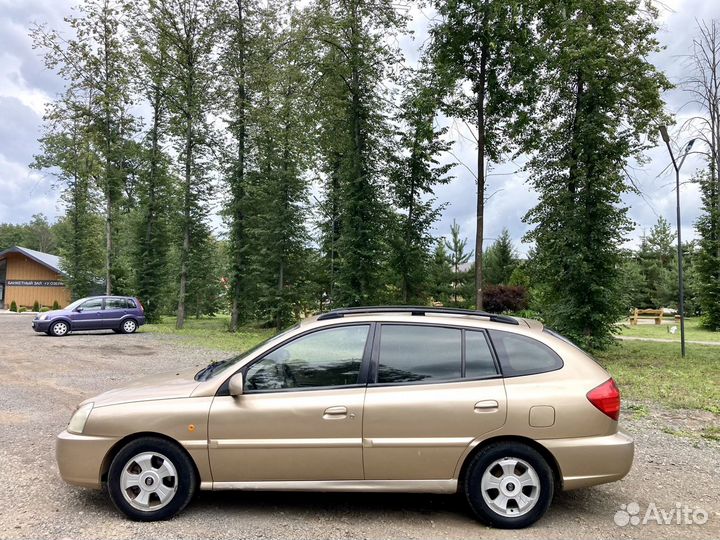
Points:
(77, 422)
(43, 316)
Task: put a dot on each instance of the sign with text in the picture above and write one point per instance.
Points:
(33, 283)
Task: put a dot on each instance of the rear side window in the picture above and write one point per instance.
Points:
(419, 353)
(521, 355)
(130, 303)
(115, 303)
(478, 358)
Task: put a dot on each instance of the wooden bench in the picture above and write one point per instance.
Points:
(656, 314)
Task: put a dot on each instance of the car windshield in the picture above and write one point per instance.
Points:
(214, 368)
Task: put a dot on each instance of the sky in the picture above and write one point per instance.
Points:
(26, 86)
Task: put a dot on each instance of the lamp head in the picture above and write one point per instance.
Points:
(664, 133)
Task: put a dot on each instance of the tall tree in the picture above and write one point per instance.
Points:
(354, 67)
(704, 86)
(482, 52)
(96, 58)
(188, 27)
(600, 99)
(414, 174)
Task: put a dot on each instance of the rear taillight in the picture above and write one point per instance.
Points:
(606, 398)
(141, 306)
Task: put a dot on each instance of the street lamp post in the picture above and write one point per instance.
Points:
(676, 166)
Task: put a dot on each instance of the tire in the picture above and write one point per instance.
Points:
(512, 476)
(151, 479)
(116, 330)
(128, 326)
(59, 329)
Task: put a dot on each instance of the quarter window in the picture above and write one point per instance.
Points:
(130, 303)
(478, 357)
(521, 355)
(419, 353)
(330, 357)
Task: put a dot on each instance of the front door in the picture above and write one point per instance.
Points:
(437, 389)
(301, 413)
(88, 315)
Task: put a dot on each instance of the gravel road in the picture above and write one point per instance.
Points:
(43, 378)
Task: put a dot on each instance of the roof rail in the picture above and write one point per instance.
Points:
(415, 310)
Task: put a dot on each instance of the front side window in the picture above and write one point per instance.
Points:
(92, 305)
(419, 353)
(329, 357)
(521, 355)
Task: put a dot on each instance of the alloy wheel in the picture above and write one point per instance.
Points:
(510, 487)
(148, 481)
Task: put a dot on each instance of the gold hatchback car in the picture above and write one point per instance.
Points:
(393, 399)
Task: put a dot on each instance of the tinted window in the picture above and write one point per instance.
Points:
(478, 358)
(115, 303)
(520, 355)
(130, 303)
(329, 357)
(92, 305)
(418, 353)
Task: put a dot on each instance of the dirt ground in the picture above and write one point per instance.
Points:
(42, 379)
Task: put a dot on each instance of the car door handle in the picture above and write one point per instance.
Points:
(332, 413)
(486, 405)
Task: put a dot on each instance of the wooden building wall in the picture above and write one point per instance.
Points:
(20, 267)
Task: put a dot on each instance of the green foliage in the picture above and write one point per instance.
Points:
(56, 305)
(36, 306)
(37, 234)
(600, 96)
(13, 306)
(44, 309)
(708, 263)
(500, 260)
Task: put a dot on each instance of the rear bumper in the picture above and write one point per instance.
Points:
(588, 461)
(80, 458)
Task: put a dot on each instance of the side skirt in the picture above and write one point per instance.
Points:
(392, 486)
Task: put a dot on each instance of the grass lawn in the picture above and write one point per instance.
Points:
(693, 332)
(656, 372)
(212, 333)
(645, 371)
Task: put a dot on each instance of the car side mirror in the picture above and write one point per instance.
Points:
(79, 309)
(236, 385)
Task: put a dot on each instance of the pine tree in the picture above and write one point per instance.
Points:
(500, 260)
(600, 97)
(458, 258)
(708, 258)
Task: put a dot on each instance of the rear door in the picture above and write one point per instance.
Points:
(115, 310)
(435, 389)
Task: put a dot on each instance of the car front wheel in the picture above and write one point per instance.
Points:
(59, 328)
(128, 327)
(509, 485)
(151, 479)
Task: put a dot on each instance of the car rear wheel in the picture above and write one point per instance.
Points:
(128, 326)
(151, 479)
(509, 485)
(59, 328)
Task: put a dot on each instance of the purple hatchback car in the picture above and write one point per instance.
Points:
(121, 314)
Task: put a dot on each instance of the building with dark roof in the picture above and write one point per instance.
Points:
(27, 276)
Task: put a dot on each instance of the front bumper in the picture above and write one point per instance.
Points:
(588, 461)
(41, 326)
(80, 458)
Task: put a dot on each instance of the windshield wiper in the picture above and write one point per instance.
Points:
(205, 373)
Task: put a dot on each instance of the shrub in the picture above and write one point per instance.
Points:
(56, 305)
(13, 306)
(36, 306)
(22, 310)
(500, 298)
(44, 309)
